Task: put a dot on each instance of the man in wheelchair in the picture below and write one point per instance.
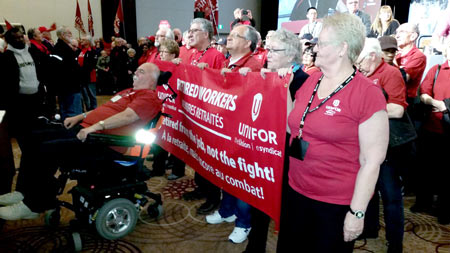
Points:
(65, 145)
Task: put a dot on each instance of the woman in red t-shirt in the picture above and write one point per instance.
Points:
(433, 143)
(336, 150)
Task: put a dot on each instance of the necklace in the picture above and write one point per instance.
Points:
(195, 62)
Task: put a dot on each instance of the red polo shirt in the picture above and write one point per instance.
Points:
(390, 79)
(441, 91)
(213, 57)
(247, 60)
(261, 55)
(185, 54)
(154, 55)
(414, 63)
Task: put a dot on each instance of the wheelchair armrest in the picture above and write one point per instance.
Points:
(111, 140)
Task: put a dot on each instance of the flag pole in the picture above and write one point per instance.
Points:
(124, 33)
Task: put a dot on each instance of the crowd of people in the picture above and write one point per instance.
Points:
(354, 129)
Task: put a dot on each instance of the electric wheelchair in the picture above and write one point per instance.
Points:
(110, 198)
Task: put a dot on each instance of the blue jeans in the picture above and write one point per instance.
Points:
(389, 184)
(70, 105)
(89, 96)
(231, 205)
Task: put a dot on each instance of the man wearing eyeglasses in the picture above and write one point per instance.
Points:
(204, 55)
(353, 8)
(240, 44)
(409, 58)
(162, 34)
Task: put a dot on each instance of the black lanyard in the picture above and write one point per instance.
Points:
(342, 86)
(195, 62)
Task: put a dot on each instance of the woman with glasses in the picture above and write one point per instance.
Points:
(308, 60)
(339, 136)
(284, 56)
(384, 23)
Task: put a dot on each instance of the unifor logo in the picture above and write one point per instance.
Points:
(256, 107)
(336, 102)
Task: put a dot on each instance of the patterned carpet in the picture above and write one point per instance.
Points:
(181, 230)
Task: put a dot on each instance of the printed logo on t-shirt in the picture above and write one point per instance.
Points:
(331, 110)
(256, 107)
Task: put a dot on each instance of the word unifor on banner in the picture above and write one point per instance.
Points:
(228, 130)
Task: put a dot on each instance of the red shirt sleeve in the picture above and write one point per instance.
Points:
(146, 104)
(427, 84)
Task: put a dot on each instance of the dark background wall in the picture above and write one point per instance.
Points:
(109, 9)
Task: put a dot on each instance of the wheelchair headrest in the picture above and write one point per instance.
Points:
(164, 77)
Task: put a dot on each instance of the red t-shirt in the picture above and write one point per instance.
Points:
(391, 81)
(247, 60)
(441, 91)
(261, 55)
(414, 63)
(154, 55)
(185, 54)
(145, 103)
(328, 172)
(310, 70)
(213, 57)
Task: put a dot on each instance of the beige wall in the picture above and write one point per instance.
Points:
(35, 13)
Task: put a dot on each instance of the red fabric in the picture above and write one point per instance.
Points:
(40, 46)
(331, 164)
(145, 103)
(118, 19)
(154, 55)
(311, 70)
(81, 56)
(211, 10)
(261, 55)
(185, 54)
(78, 21)
(143, 58)
(441, 91)
(90, 20)
(414, 63)
(213, 57)
(247, 61)
(220, 127)
(8, 25)
(391, 80)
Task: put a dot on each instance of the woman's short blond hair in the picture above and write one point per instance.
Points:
(290, 42)
(346, 28)
(171, 46)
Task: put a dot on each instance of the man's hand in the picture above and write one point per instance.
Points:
(83, 133)
(203, 65)
(176, 61)
(353, 227)
(243, 71)
(225, 70)
(284, 72)
(71, 121)
(264, 71)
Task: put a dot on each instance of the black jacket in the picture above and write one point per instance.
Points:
(65, 71)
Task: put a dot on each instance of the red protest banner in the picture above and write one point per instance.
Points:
(229, 129)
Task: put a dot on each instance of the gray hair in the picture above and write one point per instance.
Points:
(89, 38)
(131, 50)
(250, 34)
(290, 42)
(349, 29)
(371, 45)
(169, 33)
(206, 26)
(61, 31)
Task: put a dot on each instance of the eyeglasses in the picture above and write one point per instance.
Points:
(194, 30)
(235, 36)
(164, 51)
(272, 50)
(359, 63)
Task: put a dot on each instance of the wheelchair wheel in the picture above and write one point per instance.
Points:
(155, 211)
(78, 245)
(52, 217)
(116, 219)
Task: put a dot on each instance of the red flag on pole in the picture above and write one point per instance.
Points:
(118, 19)
(211, 10)
(78, 22)
(90, 20)
(8, 25)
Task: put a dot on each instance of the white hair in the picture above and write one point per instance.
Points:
(371, 45)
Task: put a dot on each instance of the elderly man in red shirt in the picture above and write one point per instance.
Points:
(371, 64)
(409, 58)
